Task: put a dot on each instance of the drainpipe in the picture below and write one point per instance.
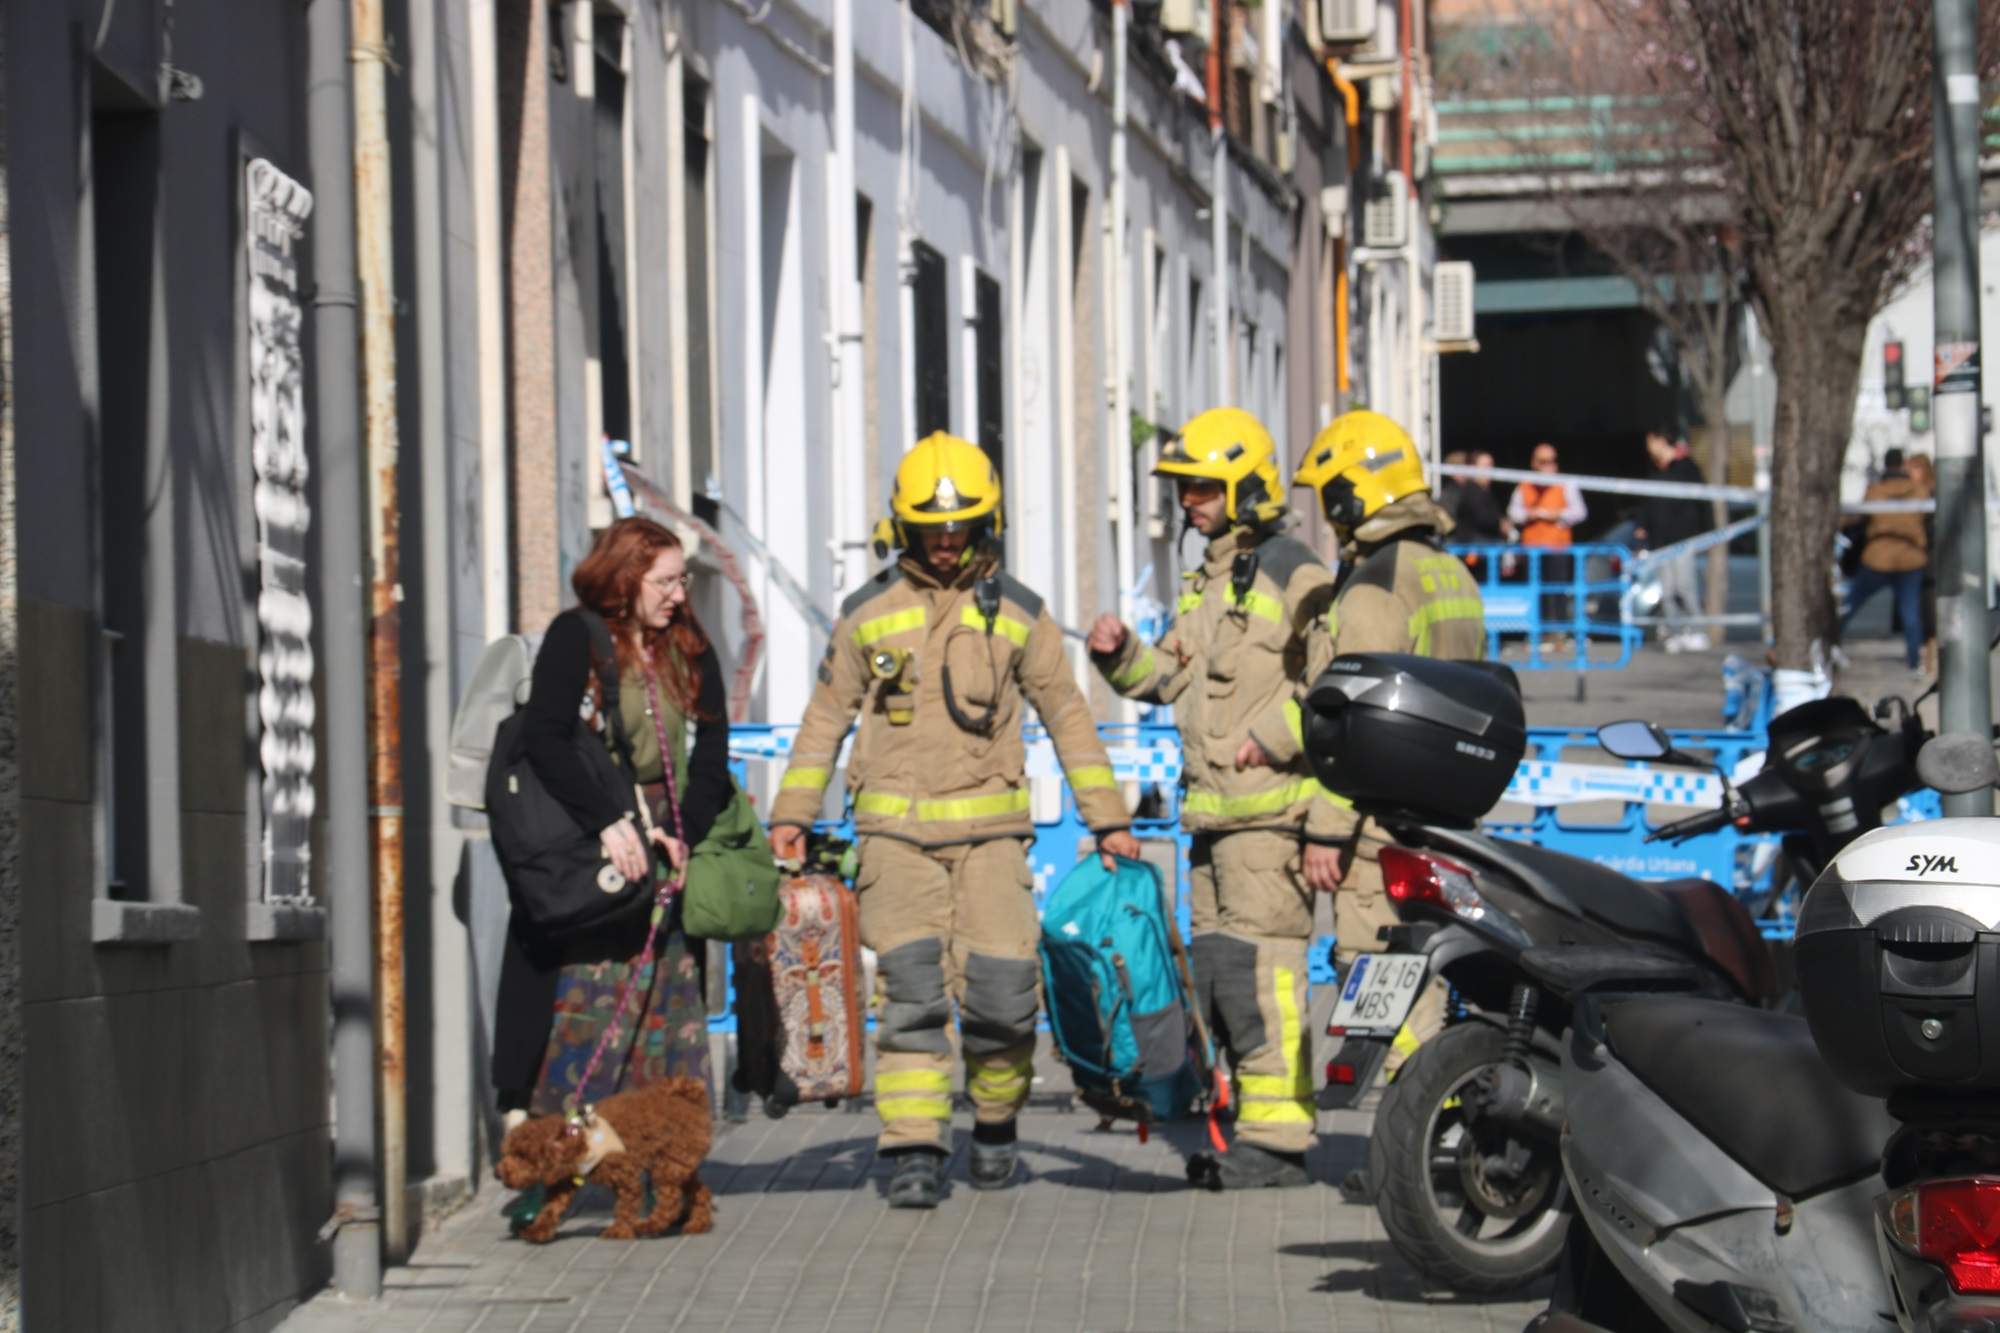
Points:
(848, 432)
(374, 234)
(356, 1225)
(1121, 320)
(1351, 97)
(1218, 205)
(1405, 157)
(1413, 324)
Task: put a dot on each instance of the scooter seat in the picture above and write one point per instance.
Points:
(1754, 1083)
(1629, 906)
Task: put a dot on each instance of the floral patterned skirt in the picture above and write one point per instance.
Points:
(663, 1032)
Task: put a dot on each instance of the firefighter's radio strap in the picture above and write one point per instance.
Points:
(986, 601)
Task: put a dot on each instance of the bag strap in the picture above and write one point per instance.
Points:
(604, 661)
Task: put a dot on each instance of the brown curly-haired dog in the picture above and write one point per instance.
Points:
(661, 1130)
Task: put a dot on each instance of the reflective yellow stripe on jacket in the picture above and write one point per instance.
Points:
(1270, 801)
(871, 632)
(953, 811)
(1140, 667)
(1435, 613)
(1005, 626)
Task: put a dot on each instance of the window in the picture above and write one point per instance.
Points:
(125, 164)
(697, 149)
(1200, 354)
(988, 376)
(137, 760)
(614, 278)
(871, 344)
(933, 342)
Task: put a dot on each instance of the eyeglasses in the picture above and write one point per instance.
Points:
(683, 581)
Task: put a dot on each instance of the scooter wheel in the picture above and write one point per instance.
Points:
(1456, 1221)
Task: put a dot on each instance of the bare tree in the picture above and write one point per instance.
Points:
(1640, 189)
(1816, 115)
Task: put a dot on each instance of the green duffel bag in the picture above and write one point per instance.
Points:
(732, 882)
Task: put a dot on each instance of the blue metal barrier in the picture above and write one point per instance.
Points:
(1537, 593)
(1148, 756)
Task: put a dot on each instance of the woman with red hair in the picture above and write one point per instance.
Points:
(554, 1002)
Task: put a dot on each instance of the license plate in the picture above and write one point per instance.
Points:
(1378, 991)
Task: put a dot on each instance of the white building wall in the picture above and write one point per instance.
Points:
(969, 200)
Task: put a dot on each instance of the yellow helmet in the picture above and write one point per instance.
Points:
(944, 482)
(1359, 465)
(1228, 445)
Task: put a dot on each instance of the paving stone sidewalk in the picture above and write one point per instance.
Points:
(1103, 1234)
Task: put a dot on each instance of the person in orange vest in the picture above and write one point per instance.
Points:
(1544, 515)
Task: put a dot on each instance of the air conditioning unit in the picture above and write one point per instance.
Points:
(1385, 219)
(1345, 21)
(1451, 301)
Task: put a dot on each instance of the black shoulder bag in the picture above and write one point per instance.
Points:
(558, 876)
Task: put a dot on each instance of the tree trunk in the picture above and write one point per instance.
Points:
(1716, 600)
(1816, 357)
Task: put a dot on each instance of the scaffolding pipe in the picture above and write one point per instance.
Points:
(374, 241)
(356, 1225)
(1121, 322)
(1218, 205)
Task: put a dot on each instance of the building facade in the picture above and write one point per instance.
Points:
(173, 975)
(763, 248)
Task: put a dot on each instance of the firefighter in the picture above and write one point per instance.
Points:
(936, 654)
(1399, 591)
(1232, 664)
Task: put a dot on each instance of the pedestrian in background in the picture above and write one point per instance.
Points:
(1925, 476)
(1894, 555)
(1665, 522)
(1546, 514)
(1475, 514)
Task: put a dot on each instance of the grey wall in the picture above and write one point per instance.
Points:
(176, 1116)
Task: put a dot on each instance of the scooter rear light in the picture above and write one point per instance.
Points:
(1421, 879)
(1954, 1224)
(1339, 1075)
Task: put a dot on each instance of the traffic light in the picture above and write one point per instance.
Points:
(1920, 410)
(1892, 375)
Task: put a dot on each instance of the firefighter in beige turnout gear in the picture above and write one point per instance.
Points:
(936, 655)
(1264, 840)
(1399, 591)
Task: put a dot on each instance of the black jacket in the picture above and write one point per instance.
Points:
(1667, 521)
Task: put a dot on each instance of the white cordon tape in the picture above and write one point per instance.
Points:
(1670, 490)
(1536, 782)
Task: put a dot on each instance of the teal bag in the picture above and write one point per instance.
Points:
(732, 882)
(1121, 995)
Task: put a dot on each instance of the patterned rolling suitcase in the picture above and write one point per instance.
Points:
(801, 1009)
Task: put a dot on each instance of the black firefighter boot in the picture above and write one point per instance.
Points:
(918, 1181)
(1246, 1166)
(994, 1154)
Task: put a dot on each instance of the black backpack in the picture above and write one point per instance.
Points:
(558, 877)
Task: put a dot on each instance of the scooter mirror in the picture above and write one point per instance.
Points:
(1957, 764)
(1634, 740)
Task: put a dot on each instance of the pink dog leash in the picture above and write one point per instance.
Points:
(670, 884)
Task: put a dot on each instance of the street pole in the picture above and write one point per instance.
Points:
(357, 1220)
(1965, 704)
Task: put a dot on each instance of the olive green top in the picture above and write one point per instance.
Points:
(632, 706)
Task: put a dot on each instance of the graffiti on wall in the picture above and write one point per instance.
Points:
(275, 211)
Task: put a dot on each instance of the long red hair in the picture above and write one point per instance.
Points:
(607, 581)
